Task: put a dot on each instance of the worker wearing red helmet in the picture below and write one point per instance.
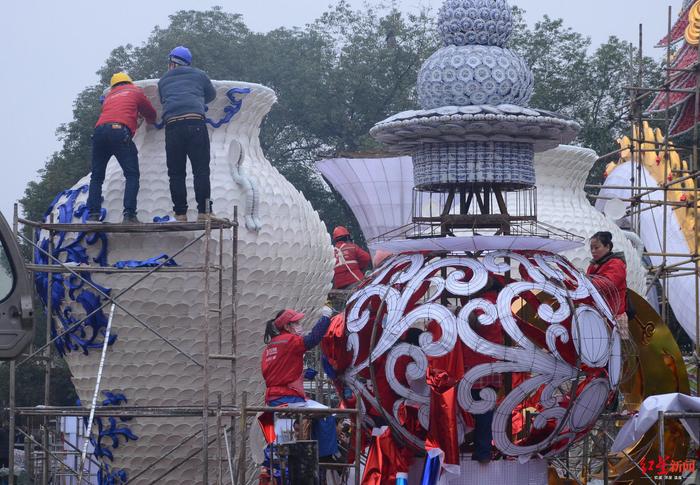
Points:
(351, 260)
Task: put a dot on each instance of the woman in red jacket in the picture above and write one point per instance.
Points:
(608, 273)
(283, 371)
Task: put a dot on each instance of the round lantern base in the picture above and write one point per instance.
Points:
(512, 472)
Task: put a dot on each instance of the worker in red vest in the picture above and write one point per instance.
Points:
(351, 260)
(283, 357)
(283, 370)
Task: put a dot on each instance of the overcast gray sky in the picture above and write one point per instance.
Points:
(51, 50)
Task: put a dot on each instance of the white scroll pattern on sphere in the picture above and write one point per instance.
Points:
(572, 394)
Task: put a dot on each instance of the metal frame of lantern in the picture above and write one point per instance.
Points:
(546, 271)
(475, 206)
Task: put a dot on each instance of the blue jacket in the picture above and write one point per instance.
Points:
(185, 89)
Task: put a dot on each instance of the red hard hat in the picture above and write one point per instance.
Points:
(288, 316)
(340, 231)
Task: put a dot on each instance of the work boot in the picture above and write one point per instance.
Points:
(130, 219)
(202, 217)
(180, 218)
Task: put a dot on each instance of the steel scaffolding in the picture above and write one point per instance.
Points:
(596, 445)
(232, 420)
(52, 461)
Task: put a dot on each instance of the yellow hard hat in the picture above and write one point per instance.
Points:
(120, 77)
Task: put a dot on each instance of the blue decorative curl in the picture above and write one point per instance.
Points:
(113, 429)
(75, 252)
(107, 476)
(232, 109)
(229, 111)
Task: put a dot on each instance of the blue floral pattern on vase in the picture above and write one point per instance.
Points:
(78, 250)
(474, 67)
(108, 439)
(472, 22)
(67, 289)
(486, 75)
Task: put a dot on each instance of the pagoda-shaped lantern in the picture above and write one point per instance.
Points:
(474, 138)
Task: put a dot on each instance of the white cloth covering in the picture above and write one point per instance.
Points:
(648, 414)
(284, 430)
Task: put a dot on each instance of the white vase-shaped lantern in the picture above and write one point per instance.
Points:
(562, 202)
(284, 260)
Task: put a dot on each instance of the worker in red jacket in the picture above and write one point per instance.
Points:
(608, 273)
(113, 135)
(283, 371)
(351, 260)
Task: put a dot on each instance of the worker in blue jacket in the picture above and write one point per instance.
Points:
(184, 92)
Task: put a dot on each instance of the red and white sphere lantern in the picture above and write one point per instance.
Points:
(564, 359)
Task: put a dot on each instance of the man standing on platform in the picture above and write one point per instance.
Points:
(113, 135)
(184, 92)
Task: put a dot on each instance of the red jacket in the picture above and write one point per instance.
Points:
(283, 366)
(350, 263)
(611, 281)
(123, 104)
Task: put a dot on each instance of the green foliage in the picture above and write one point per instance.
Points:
(588, 87)
(30, 384)
(334, 79)
(72, 162)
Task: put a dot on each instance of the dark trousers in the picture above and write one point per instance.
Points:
(188, 138)
(107, 140)
(483, 435)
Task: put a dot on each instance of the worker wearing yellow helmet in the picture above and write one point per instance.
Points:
(113, 137)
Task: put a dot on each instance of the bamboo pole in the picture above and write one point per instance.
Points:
(206, 329)
(47, 362)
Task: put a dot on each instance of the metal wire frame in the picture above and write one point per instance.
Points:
(475, 210)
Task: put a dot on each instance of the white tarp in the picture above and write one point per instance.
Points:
(648, 414)
(476, 243)
(379, 191)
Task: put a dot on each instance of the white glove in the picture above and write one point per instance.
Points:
(327, 311)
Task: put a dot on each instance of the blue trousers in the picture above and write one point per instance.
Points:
(483, 435)
(113, 139)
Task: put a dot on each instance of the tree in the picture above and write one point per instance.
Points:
(30, 388)
(334, 79)
(72, 162)
(590, 88)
